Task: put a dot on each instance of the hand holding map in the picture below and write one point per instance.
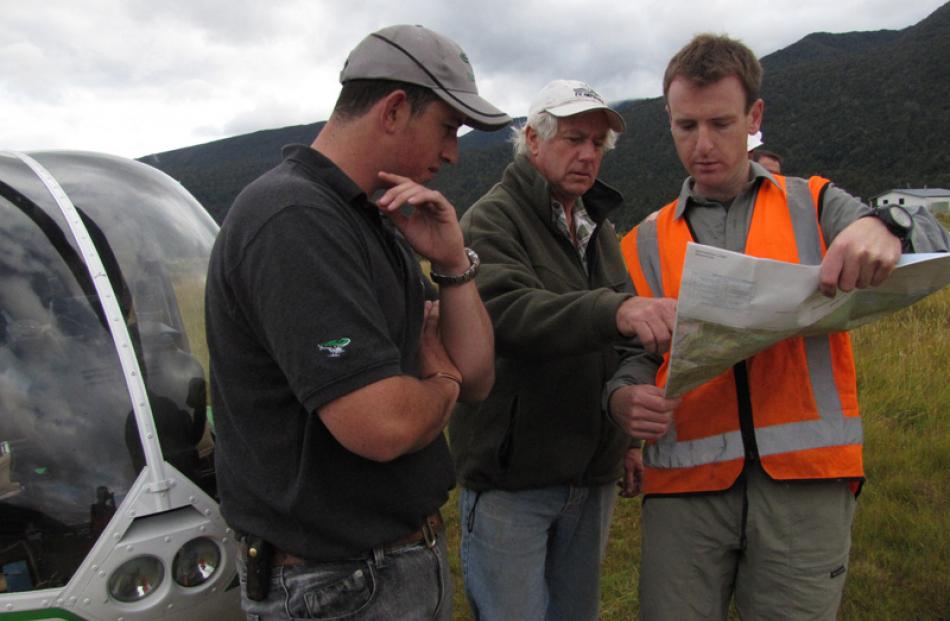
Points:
(732, 306)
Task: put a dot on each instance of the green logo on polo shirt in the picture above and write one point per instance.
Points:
(334, 348)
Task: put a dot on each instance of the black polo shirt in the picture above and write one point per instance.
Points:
(310, 296)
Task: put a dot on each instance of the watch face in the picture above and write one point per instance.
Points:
(900, 217)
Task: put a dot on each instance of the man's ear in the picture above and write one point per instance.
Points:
(532, 140)
(393, 110)
(755, 115)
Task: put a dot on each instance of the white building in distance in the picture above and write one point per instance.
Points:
(935, 199)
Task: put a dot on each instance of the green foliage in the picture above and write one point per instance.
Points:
(869, 110)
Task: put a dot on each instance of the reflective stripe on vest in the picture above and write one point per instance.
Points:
(803, 390)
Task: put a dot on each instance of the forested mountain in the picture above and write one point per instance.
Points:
(870, 110)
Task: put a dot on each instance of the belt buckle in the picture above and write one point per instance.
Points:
(428, 534)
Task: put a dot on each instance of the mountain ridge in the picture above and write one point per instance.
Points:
(869, 110)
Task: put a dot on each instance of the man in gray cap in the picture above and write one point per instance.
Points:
(332, 374)
(539, 459)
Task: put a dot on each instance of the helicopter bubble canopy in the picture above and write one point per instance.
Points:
(70, 446)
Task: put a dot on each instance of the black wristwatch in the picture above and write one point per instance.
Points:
(447, 281)
(897, 220)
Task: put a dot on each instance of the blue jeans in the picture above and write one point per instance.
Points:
(535, 554)
(409, 583)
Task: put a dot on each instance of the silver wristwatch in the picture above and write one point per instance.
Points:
(447, 281)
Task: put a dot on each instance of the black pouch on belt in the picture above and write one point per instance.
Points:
(257, 557)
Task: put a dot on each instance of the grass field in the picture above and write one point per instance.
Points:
(901, 537)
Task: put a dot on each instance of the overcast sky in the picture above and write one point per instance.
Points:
(133, 77)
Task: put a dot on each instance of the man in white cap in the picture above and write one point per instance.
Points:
(539, 459)
(332, 375)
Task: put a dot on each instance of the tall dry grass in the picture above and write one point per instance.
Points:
(901, 536)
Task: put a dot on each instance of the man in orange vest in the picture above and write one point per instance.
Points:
(751, 492)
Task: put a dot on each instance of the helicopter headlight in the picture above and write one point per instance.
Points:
(136, 579)
(196, 562)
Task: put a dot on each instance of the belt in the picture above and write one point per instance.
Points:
(427, 533)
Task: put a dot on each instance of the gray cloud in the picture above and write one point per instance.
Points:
(135, 77)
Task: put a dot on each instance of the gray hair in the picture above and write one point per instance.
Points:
(545, 124)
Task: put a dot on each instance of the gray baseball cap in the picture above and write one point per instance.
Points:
(417, 55)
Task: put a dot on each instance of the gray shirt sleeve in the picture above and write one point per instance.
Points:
(928, 235)
(838, 210)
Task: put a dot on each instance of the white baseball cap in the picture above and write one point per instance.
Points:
(754, 141)
(562, 98)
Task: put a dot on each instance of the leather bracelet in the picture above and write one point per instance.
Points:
(447, 281)
(444, 375)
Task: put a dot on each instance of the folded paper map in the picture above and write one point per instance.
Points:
(732, 306)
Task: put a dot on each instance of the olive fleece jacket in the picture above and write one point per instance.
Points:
(555, 337)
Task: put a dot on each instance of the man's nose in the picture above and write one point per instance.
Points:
(589, 150)
(704, 140)
(450, 150)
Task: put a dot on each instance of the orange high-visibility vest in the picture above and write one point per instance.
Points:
(803, 391)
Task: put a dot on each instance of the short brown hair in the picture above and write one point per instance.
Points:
(358, 96)
(709, 58)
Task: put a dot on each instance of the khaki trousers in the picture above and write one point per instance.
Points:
(780, 548)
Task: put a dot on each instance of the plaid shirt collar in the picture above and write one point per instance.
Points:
(583, 226)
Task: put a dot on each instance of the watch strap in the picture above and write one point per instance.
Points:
(897, 229)
(444, 280)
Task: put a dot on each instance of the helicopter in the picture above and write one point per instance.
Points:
(108, 504)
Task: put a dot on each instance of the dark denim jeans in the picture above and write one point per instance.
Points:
(409, 583)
